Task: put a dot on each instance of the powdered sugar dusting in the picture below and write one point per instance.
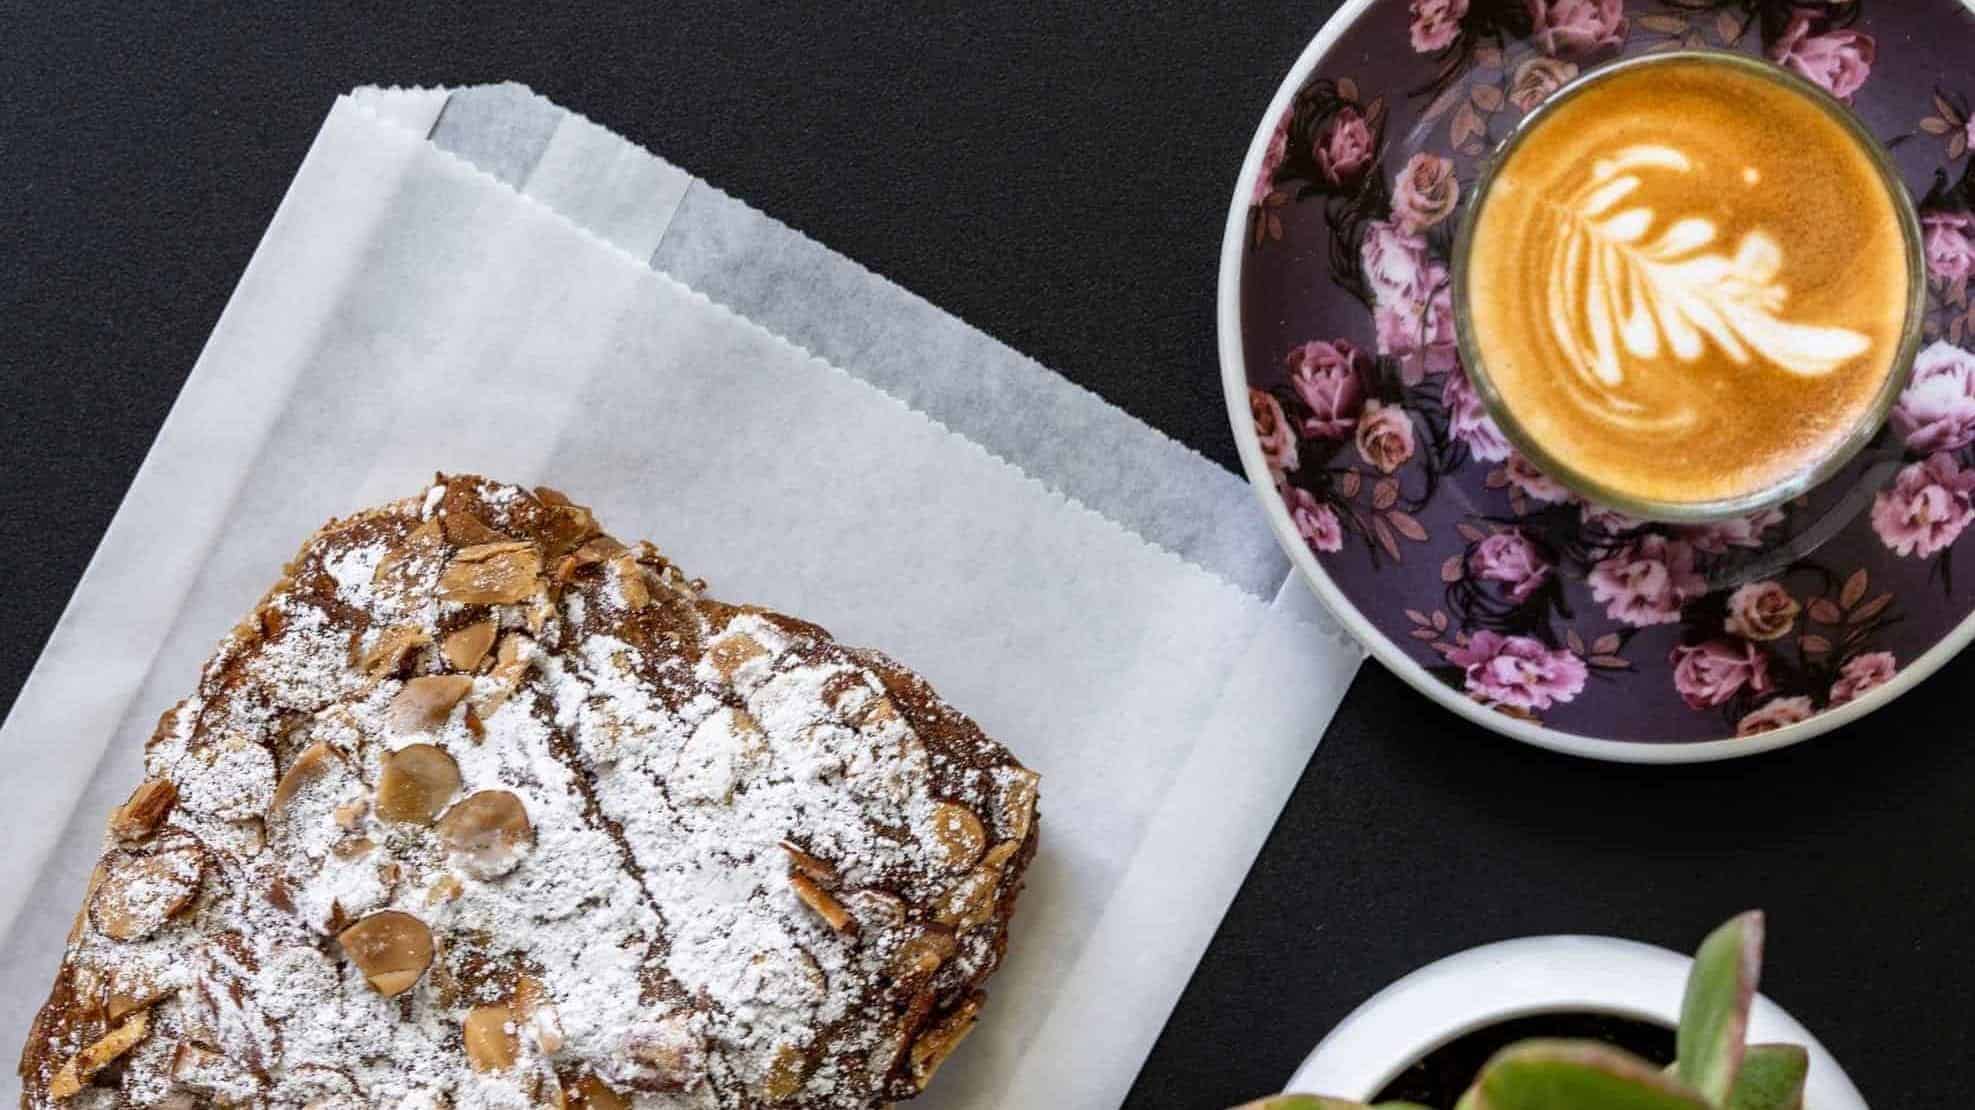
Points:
(675, 760)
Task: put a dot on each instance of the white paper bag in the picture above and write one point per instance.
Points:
(408, 313)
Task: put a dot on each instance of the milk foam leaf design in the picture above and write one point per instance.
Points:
(1627, 294)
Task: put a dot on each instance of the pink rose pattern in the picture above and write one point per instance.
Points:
(1469, 421)
(1647, 581)
(1344, 148)
(1926, 507)
(1518, 672)
(1710, 674)
(1777, 713)
(1512, 560)
(1436, 23)
(1836, 60)
(1936, 411)
(1762, 611)
(1330, 379)
(1750, 532)
(1535, 484)
(1426, 192)
(1272, 157)
(1272, 428)
(1866, 672)
(1950, 248)
(1368, 418)
(1573, 28)
(1385, 436)
(1536, 78)
(1316, 523)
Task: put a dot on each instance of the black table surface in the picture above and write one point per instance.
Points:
(1057, 176)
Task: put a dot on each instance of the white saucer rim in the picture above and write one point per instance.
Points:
(1532, 975)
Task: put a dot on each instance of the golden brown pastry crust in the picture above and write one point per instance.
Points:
(483, 808)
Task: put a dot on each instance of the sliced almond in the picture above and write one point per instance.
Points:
(671, 1049)
(875, 909)
(826, 907)
(971, 901)
(349, 813)
(487, 832)
(511, 663)
(541, 607)
(146, 808)
(724, 751)
(815, 868)
(937, 1043)
(188, 1059)
(307, 767)
(396, 569)
(130, 998)
(546, 1023)
(1017, 809)
(85, 1064)
(206, 1071)
(957, 836)
(629, 578)
(445, 888)
(878, 711)
(426, 701)
(416, 783)
(998, 856)
(393, 650)
(465, 648)
(138, 894)
(592, 553)
(353, 847)
(786, 1073)
(465, 529)
(732, 652)
(491, 574)
(88, 898)
(922, 953)
(591, 1093)
(886, 1057)
(392, 949)
(567, 526)
(489, 1045)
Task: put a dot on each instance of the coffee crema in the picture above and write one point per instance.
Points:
(1687, 282)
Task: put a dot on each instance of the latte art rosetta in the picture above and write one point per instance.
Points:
(1685, 283)
(1620, 297)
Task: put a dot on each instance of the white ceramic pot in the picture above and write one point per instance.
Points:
(1521, 978)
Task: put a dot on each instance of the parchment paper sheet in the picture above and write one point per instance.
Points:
(406, 312)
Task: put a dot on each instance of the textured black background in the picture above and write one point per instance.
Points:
(1057, 177)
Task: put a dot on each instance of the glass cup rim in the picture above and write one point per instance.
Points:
(1827, 463)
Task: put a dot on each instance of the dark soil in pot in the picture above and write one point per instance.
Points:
(1442, 1076)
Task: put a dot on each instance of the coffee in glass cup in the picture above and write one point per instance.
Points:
(1689, 286)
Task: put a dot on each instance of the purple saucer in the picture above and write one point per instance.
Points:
(1461, 567)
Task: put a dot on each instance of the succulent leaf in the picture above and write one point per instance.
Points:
(1576, 1075)
(1302, 1103)
(1714, 1014)
(1772, 1078)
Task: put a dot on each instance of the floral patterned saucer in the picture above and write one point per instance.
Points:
(1475, 577)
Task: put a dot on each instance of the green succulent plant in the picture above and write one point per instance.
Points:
(1716, 1068)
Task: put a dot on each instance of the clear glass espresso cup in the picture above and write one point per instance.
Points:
(1816, 465)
